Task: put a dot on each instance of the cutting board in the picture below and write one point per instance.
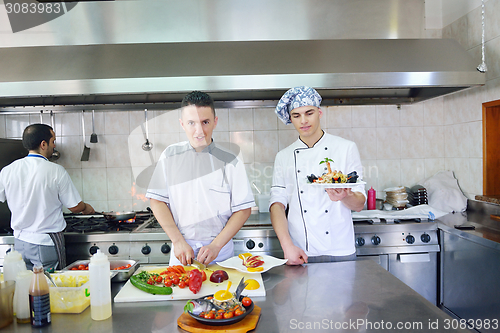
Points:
(188, 323)
(129, 293)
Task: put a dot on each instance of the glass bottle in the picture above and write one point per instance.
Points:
(39, 298)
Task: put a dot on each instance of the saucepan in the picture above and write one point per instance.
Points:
(118, 216)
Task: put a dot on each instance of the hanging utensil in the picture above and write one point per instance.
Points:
(147, 146)
(93, 136)
(55, 154)
(86, 150)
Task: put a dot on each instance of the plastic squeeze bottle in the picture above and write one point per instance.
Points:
(100, 286)
(372, 200)
(21, 296)
(39, 298)
(12, 264)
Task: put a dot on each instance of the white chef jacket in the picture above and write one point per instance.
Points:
(202, 189)
(316, 224)
(35, 190)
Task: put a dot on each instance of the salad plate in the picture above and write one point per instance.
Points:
(237, 263)
(337, 185)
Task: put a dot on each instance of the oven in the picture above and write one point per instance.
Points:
(406, 248)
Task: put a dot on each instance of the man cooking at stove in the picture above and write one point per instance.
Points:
(35, 190)
(199, 191)
(318, 227)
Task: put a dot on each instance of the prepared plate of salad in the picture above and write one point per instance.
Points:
(248, 263)
(334, 178)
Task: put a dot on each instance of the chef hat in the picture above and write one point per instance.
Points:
(295, 98)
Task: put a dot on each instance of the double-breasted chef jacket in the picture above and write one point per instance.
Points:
(316, 224)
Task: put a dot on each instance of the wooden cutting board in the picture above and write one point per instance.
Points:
(129, 293)
(188, 323)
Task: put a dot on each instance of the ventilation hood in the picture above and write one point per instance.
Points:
(245, 73)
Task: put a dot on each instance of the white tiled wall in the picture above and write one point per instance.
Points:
(397, 146)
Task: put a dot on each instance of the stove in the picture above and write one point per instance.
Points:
(406, 248)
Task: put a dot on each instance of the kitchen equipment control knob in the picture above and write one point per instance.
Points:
(250, 244)
(146, 249)
(360, 241)
(410, 239)
(93, 249)
(165, 248)
(426, 238)
(261, 245)
(113, 249)
(376, 240)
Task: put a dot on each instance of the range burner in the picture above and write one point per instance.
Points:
(88, 224)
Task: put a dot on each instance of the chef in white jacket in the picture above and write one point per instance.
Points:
(318, 226)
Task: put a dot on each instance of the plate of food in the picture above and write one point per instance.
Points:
(248, 263)
(334, 178)
(207, 310)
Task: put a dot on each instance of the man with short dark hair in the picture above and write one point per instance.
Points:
(35, 190)
(199, 191)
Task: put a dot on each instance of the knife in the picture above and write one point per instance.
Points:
(198, 264)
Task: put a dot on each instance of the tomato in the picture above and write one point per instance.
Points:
(159, 279)
(151, 281)
(219, 315)
(238, 312)
(175, 280)
(81, 267)
(128, 266)
(228, 315)
(168, 282)
(246, 301)
(210, 315)
(182, 284)
(203, 276)
(74, 269)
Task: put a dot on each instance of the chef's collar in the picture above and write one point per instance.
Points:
(319, 140)
(37, 155)
(207, 149)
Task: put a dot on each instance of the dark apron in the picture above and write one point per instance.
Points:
(58, 239)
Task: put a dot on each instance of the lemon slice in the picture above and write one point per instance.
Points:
(244, 255)
(255, 269)
(252, 284)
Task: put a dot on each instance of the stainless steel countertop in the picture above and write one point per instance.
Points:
(327, 294)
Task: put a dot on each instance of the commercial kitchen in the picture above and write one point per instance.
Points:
(399, 78)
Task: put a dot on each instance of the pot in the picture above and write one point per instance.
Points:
(118, 216)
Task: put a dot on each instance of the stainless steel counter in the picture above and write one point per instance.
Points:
(345, 296)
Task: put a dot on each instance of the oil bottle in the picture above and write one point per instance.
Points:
(39, 298)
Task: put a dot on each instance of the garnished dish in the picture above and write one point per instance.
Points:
(252, 263)
(256, 264)
(334, 178)
(221, 308)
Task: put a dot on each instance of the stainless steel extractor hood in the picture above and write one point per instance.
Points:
(375, 71)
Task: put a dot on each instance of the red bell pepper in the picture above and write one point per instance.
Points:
(195, 280)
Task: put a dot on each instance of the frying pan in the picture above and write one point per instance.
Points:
(118, 216)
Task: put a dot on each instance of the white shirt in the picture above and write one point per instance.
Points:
(36, 190)
(201, 189)
(316, 224)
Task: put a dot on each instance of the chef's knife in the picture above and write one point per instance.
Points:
(198, 264)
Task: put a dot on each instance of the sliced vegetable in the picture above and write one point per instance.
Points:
(195, 280)
(219, 276)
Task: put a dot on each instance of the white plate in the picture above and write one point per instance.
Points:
(337, 185)
(237, 263)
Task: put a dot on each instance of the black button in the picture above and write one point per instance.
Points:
(301, 191)
(326, 148)
(327, 232)
(298, 170)
(298, 151)
(305, 211)
(326, 211)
